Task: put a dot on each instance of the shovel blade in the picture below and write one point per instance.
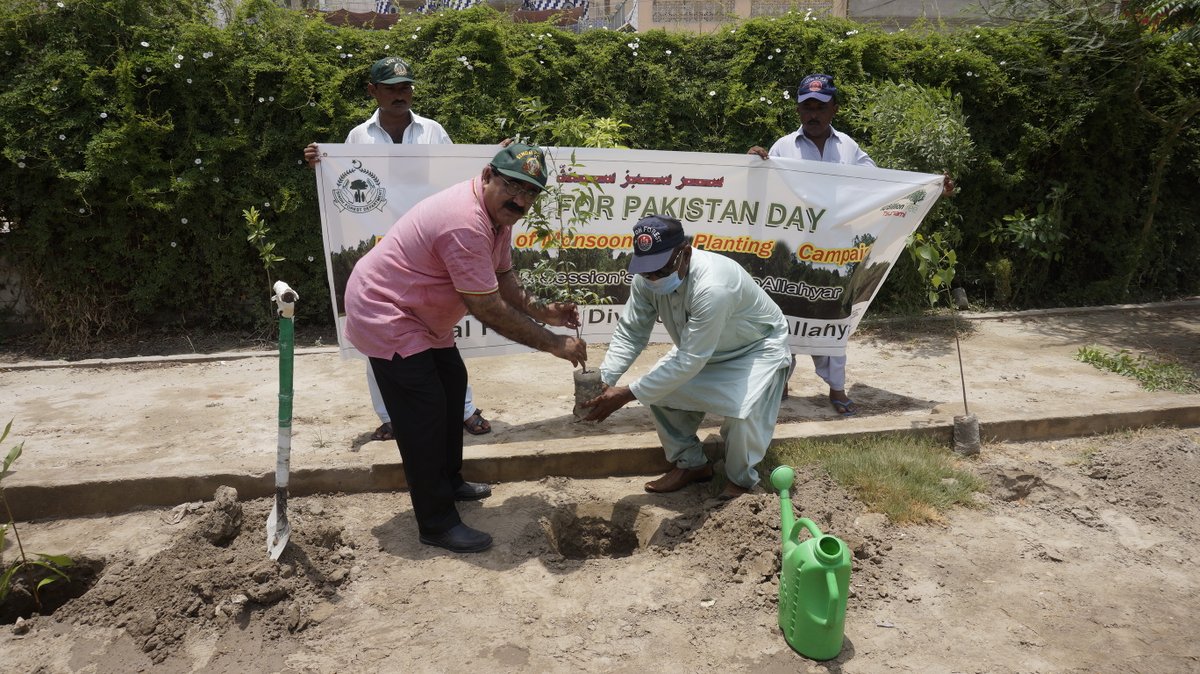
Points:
(278, 529)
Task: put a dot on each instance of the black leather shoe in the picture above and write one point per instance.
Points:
(461, 538)
(472, 491)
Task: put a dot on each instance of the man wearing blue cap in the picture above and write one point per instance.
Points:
(730, 357)
(390, 82)
(817, 140)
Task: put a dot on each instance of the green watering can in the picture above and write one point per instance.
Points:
(813, 583)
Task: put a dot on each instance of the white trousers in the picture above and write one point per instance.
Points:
(377, 399)
(746, 440)
(832, 369)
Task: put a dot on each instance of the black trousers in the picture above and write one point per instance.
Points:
(423, 394)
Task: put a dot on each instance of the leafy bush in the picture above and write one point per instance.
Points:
(134, 133)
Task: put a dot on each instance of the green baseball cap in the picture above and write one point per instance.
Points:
(523, 162)
(391, 70)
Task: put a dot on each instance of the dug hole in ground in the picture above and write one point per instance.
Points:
(1079, 558)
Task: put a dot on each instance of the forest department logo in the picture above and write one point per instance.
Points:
(907, 205)
(358, 190)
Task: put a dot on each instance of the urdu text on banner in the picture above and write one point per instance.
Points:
(821, 238)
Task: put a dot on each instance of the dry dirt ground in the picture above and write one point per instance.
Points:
(1079, 558)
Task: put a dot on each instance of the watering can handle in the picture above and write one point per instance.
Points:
(834, 601)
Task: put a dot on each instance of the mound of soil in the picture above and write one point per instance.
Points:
(1079, 558)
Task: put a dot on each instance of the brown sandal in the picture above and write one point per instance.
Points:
(476, 424)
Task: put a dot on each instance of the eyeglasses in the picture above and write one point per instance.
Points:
(515, 188)
(667, 269)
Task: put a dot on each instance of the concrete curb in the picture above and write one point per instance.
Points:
(56, 501)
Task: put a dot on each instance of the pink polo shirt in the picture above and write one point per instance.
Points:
(403, 295)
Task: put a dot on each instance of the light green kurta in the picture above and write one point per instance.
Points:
(730, 340)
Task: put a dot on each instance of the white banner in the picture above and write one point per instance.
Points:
(820, 238)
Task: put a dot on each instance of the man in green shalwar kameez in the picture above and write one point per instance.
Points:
(730, 358)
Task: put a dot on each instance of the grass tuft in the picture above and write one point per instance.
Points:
(912, 480)
(1152, 374)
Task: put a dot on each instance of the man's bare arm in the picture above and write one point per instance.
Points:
(553, 313)
(515, 325)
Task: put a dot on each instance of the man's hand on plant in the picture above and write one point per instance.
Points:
(564, 314)
(570, 348)
(613, 399)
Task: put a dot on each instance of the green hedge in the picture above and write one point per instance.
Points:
(135, 132)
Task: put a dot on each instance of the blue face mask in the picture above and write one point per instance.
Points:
(665, 285)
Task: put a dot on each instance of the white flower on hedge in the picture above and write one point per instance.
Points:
(207, 54)
(81, 211)
(20, 164)
(339, 47)
(470, 67)
(236, 120)
(778, 50)
(173, 244)
(147, 68)
(266, 204)
(183, 220)
(104, 115)
(712, 93)
(199, 161)
(217, 180)
(414, 36)
(61, 5)
(176, 65)
(179, 57)
(851, 32)
(189, 80)
(54, 88)
(145, 44)
(771, 56)
(668, 52)
(61, 137)
(261, 99)
(271, 98)
(761, 99)
(387, 47)
(310, 258)
(1003, 62)
(970, 74)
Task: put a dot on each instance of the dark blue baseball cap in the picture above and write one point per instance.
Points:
(816, 86)
(655, 237)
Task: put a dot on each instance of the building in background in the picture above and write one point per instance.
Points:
(697, 16)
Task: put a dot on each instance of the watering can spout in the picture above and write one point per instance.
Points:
(782, 479)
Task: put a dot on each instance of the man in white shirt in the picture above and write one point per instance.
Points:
(817, 140)
(390, 83)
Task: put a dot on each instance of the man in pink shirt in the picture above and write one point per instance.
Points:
(449, 255)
